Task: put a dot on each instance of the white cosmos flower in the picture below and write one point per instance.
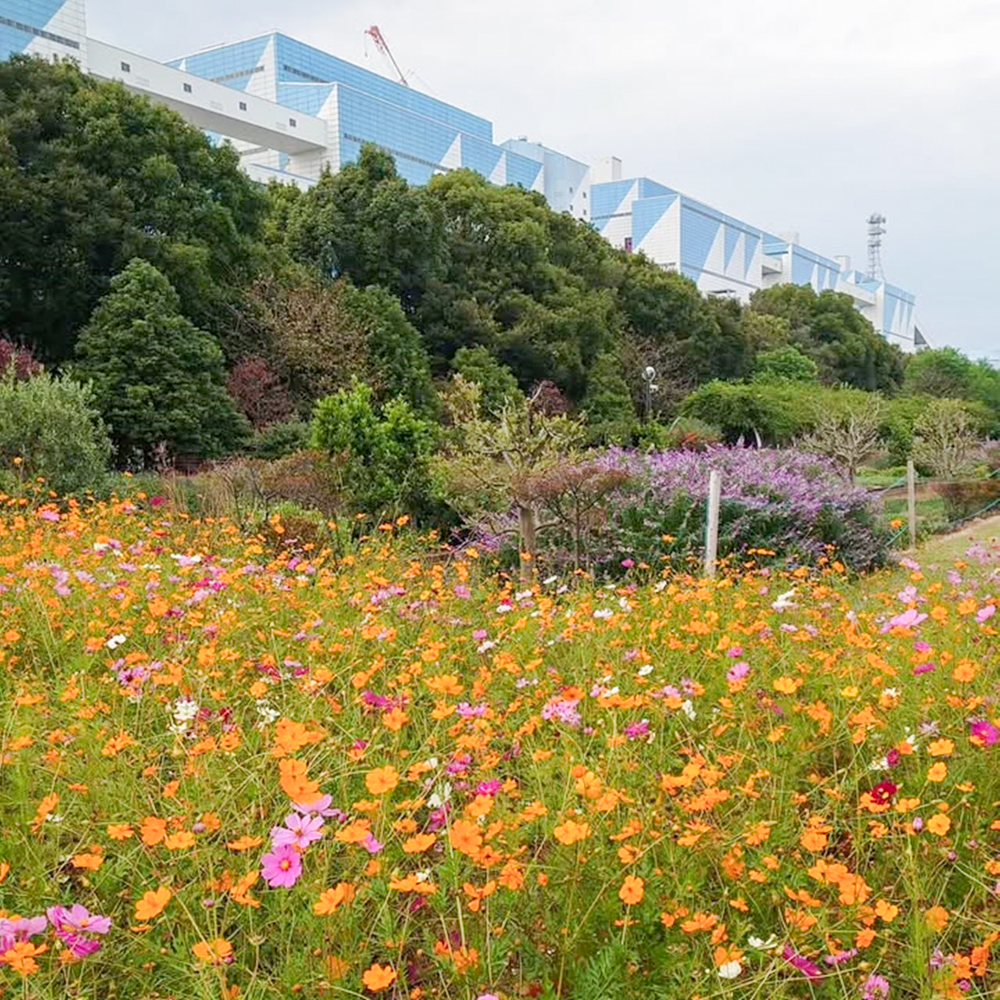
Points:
(115, 641)
(730, 970)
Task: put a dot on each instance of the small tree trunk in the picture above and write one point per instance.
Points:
(528, 524)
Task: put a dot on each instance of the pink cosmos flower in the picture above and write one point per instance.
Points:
(985, 614)
(76, 926)
(910, 618)
(986, 731)
(800, 962)
(281, 867)
(299, 831)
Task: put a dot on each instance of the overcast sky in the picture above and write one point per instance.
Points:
(791, 115)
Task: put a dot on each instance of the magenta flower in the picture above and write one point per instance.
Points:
(298, 831)
(76, 926)
(13, 931)
(738, 671)
(800, 962)
(910, 618)
(986, 731)
(321, 807)
(875, 988)
(281, 867)
(371, 845)
(985, 614)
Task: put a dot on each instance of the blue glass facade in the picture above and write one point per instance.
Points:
(43, 27)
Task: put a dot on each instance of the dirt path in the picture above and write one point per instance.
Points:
(953, 546)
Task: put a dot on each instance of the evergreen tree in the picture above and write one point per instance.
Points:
(608, 402)
(158, 379)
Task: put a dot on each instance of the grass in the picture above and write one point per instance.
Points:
(761, 785)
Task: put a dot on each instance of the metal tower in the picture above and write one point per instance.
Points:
(876, 230)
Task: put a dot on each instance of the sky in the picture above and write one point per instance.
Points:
(794, 116)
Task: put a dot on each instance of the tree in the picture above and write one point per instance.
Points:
(499, 466)
(786, 362)
(945, 439)
(50, 427)
(496, 383)
(367, 223)
(949, 374)
(381, 455)
(827, 328)
(259, 392)
(611, 417)
(92, 176)
(158, 380)
(849, 435)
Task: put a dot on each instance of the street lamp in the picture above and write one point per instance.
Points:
(648, 375)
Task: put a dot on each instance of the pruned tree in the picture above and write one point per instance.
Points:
(848, 435)
(946, 439)
(498, 465)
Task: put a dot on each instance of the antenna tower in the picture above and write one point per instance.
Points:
(876, 230)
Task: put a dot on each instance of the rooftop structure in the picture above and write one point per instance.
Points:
(293, 111)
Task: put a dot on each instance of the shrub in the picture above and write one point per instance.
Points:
(969, 499)
(305, 478)
(278, 440)
(20, 359)
(684, 434)
(785, 504)
(497, 385)
(381, 456)
(50, 427)
(787, 363)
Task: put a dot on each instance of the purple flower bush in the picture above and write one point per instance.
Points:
(778, 505)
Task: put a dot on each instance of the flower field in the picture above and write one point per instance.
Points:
(234, 767)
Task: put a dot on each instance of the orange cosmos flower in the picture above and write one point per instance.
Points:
(941, 748)
(464, 836)
(382, 780)
(570, 832)
(939, 824)
(330, 899)
(213, 952)
(295, 782)
(21, 957)
(152, 903)
(632, 890)
(120, 831)
(936, 918)
(378, 977)
(153, 830)
(244, 843)
(419, 843)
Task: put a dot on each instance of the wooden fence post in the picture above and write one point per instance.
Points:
(911, 501)
(712, 525)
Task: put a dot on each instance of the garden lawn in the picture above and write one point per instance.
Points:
(234, 767)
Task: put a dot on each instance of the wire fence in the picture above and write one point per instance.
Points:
(924, 486)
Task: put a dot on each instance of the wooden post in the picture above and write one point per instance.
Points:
(712, 525)
(911, 501)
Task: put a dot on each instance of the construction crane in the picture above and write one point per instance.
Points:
(383, 46)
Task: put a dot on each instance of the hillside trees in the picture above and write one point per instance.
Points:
(157, 379)
(91, 177)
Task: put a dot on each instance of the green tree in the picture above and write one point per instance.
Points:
(946, 439)
(495, 381)
(50, 427)
(948, 374)
(92, 176)
(367, 223)
(397, 364)
(785, 363)
(381, 455)
(611, 417)
(158, 380)
(827, 328)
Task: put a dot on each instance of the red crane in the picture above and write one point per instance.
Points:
(383, 46)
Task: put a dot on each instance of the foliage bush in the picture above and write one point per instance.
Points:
(963, 500)
(683, 434)
(381, 454)
(280, 439)
(21, 360)
(50, 427)
(306, 478)
(785, 504)
(158, 379)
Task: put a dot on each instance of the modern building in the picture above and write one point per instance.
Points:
(292, 111)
